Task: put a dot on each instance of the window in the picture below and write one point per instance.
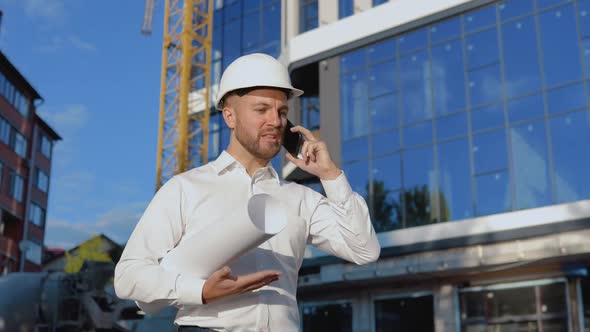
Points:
(378, 2)
(310, 111)
(46, 146)
(308, 15)
(486, 112)
(345, 8)
(42, 182)
(327, 317)
(16, 187)
(5, 130)
(37, 215)
(34, 252)
(413, 313)
(515, 307)
(20, 144)
(13, 96)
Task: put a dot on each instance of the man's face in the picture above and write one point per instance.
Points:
(261, 118)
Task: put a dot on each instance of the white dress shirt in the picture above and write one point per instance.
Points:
(339, 224)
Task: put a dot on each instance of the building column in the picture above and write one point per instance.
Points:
(445, 309)
(329, 72)
(327, 11)
(362, 5)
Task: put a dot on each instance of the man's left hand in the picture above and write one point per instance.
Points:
(316, 158)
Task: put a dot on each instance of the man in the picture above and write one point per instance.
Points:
(257, 291)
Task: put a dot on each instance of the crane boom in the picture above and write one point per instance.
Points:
(183, 129)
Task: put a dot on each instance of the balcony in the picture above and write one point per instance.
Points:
(8, 247)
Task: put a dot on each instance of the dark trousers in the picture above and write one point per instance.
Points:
(193, 329)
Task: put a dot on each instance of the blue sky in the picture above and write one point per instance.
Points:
(100, 80)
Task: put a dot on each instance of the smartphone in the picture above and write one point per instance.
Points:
(292, 141)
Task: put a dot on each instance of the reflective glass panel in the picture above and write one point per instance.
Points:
(412, 41)
(455, 197)
(448, 80)
(561, 57)
(415, 91)
(485, 85)
(418, 134)
(566, 98)
(570, 136)
(489, 151)
(451, 126)
(382, 78)
(525, 108)
(482, 48)
(358, 176)
(385, 142)
(530, 165)
(405, 314)
(493, 193)
(521, 63)
(445, 30)
(514, 8)
(325, 317)
(384, 112)
(480, 18)
(355, 149)
(487, 117)
(354, 104)
(418, 170)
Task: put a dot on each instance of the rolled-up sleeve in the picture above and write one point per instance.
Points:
(138, 274)
(341, 225)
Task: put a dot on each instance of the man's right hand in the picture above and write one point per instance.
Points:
(221, 283)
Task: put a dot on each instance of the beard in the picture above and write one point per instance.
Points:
(253, 145)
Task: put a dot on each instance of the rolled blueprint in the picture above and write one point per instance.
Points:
(201, 254)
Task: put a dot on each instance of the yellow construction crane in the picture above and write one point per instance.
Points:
(183, 130)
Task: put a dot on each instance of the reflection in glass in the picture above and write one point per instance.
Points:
(566, 98)
(412, 41)
(358, 175)
(419, 177)
(521, 63)
(451, 126)
(354, 104)
(570, 135)
(445, 30)
(530, 165)
(489, 151)
(418, 134)
(405, 314)
(385, 142)
(415, 94)
(384, 114)
(453, 162)
(327, 317)
(487, 117)
(514, 8)
(448, 80)
(382, 51)
(382, 78)
(482, 48)
(526, 108)
(479, 19)
(561, 56)
(353, 60)
(493, 193)
(485, 85)
(355, 149)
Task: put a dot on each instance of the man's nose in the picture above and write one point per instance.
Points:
(274, 118)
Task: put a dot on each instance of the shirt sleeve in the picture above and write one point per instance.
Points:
(138, 274)
(341, 224)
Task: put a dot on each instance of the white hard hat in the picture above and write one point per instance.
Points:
(254, 70)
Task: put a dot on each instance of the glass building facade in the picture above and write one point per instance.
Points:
(480, 113)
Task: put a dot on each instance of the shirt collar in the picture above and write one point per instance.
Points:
(225, 161)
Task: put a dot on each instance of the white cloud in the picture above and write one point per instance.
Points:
(52, 9)
(71, 117)
(64, 234)
(117, 224)
(82, 45)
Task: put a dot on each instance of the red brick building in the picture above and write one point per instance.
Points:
(26, 144)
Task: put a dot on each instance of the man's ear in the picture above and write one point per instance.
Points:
(229, 116)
